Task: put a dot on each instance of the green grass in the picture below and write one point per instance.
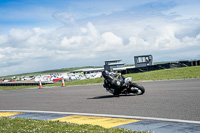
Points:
(16, 87)
(18, 125)
(167, 74)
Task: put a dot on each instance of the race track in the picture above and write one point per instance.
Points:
(174, 99)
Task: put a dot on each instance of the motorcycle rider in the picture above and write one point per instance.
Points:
(118, 76)
(117, 82)
(122, 78)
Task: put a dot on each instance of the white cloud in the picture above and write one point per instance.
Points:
(191, 41)
(64, 17)
(138, 43)
(83, 30)
(155, 38)
(92, 29)
(37, 40)
(39, 45)
(110, 42)
(3, 39)
(2, 56)
(189, 10)
(71, 43)
(39, 31)
(20, 34)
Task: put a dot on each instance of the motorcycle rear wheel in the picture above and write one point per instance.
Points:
(138, 86)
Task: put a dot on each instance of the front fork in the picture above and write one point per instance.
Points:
(128, 85)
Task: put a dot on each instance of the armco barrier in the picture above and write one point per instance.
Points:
(195, 63)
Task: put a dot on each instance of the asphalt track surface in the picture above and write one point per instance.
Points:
(167, 106)
(173, 99)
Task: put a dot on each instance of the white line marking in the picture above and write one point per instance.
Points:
(106, 115)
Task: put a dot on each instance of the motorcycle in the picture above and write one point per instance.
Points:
(117, 85)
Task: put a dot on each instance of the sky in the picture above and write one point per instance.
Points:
(38, 35)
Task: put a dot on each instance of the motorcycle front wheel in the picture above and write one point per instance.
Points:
(139, 87)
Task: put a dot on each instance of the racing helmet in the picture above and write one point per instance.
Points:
(105, 73)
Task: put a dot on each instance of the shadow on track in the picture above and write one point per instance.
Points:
(109, 96)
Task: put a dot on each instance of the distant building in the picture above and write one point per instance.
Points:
(110, 65)
(143, 60)
(88, 70)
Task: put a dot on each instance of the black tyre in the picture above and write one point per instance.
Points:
(138, 86)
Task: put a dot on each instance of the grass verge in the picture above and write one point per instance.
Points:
(167, 74)
(18, 125)
(15, 87)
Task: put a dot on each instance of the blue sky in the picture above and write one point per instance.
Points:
(38, 35)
